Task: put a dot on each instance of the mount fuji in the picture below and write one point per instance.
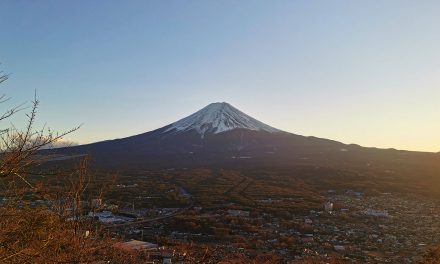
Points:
(221, 135)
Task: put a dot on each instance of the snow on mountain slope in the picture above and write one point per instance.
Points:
(217, 118)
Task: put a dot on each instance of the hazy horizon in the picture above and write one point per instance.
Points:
(356, 72)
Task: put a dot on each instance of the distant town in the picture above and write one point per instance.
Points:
(349, 225)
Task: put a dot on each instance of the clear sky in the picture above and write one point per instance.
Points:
(365, 72)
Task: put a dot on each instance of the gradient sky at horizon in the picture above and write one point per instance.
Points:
(365, 72)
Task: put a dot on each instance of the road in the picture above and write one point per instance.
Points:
(191, 204)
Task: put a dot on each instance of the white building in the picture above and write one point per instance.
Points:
(377, 213)
(328, 206)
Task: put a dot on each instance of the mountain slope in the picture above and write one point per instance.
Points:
(221, 135)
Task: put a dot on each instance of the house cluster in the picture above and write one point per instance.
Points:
(358, 227)
(352, 225)
(375, 229)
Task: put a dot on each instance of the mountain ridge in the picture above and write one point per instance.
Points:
(221, 135)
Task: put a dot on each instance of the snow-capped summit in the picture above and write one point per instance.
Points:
(217, 118)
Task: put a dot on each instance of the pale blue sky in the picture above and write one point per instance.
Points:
(365, 72)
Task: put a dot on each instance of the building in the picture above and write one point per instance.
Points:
(239, 213)
(328, 206)
(137, 245)
(377, 213)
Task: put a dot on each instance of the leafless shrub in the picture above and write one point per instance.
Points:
(55, 230)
